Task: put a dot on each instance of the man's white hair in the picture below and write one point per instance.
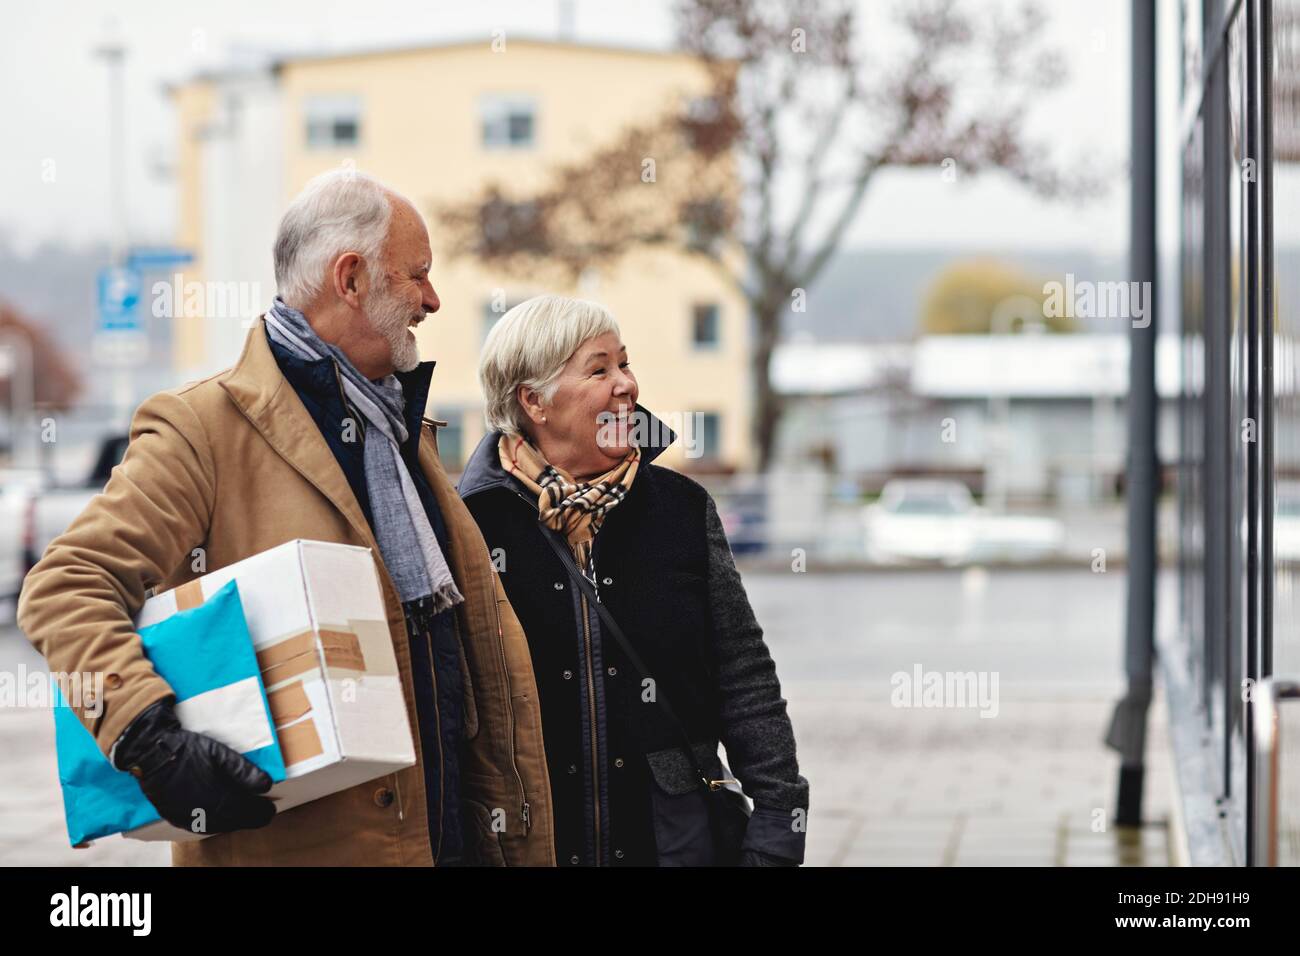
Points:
(340, 211)
(529, 346)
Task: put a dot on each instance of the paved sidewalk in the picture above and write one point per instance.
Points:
(944, 787)
(32, 832)
(890, 787)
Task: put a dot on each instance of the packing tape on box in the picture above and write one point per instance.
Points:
(286, 649)
(299, 742)
(189, 596)
(342, 649)
(297, 654)
(375, 641)
(288, 658)
(288, 703)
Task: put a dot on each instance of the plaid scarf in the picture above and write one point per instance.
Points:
(407, 543)
(576, 509)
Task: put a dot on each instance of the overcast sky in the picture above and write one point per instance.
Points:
(55, 107)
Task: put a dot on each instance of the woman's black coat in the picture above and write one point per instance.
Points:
(623, 791)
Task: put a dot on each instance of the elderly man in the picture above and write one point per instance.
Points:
(317, 433)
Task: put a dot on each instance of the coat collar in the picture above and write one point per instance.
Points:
(260, 390)
(484, 471)
(317, 377)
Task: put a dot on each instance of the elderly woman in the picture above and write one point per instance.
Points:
(658, 646)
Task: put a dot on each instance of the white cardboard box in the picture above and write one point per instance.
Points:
(315, 613)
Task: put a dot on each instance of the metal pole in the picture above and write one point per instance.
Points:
(997, 465)
(1127, 732)
(566, 17)
(114, 54)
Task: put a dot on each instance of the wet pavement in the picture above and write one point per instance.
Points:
(1030, 784)
(930, 784)
(938, 787)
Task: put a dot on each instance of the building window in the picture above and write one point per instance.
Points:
(707, 437)
(490, 318)
(706, 222)
(493, 309)
(708, 124)
(704, 109)
(333, 122)
(705, 333)
(509, 122)
(451, 442)
(509, 227)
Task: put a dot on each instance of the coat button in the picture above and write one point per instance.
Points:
(574, 859)
(113, 681)
(383, 797)
(613, 671)
(568, 675)
(559, 585)
(607, 581)
(618, 762)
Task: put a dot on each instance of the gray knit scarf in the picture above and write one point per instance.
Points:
(406, 540)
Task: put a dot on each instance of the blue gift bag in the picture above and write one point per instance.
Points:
(207, 657)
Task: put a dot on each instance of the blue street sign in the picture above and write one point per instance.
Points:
(119, 299)
(144, 259)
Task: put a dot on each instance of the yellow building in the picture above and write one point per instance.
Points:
(436, 123)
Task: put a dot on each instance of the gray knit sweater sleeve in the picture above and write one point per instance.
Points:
(755, 727)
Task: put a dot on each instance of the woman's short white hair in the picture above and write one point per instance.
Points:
(340, 211)
(529, 345)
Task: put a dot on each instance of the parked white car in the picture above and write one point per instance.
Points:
(926, 520)
(33, 513)
(918, 520)
(18, 490)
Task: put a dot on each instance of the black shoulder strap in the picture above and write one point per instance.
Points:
(561, 549)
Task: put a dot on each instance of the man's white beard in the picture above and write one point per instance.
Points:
(389, 317)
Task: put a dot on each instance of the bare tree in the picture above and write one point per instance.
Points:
(56, 381)
(799, 106)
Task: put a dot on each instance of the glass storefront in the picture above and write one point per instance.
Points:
(1280, 303)
(1226, 470)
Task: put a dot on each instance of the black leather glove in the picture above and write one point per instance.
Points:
(759, 858)
(181, 771)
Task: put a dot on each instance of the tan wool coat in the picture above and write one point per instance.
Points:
(235, 465)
